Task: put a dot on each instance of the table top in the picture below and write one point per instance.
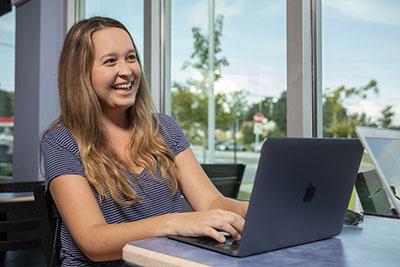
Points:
(375, 242)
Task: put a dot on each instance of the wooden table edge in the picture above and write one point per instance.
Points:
(146, 257)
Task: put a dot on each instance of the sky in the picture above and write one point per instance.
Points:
(360, 42)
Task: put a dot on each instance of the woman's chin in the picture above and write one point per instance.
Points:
(124, 103)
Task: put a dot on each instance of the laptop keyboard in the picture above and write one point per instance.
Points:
(230, 244)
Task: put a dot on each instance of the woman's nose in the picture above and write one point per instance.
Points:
(124, 69)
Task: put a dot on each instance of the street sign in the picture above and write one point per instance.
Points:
(258, 117)
(257, 128)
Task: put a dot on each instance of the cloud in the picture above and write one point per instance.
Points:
(373, 109)
(369, 107)
(259, 85)
(383, 11)
(271, 7)
(199, 13)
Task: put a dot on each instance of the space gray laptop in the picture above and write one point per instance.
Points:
(301, 192)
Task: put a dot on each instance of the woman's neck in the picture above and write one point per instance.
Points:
(116, 120)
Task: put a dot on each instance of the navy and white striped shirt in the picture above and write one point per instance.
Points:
(61, 156)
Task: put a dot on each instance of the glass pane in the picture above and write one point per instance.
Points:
(250, 77)
(129, 12)
(7, 88)
(361, 62)
(386, 153)
(360, 67)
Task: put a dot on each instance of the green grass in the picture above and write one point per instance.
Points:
(244, 195)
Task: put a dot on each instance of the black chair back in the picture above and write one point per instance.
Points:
(226, 177)
(28, 218)
(50, 222)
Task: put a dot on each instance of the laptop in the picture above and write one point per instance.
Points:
(301, 192)
(381, 187)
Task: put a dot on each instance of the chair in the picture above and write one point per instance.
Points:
(227, 178)
(19, 222)
(50, 222)
(28, 218)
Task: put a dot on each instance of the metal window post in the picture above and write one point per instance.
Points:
(211, 98)
(157, 51)
(304, 97)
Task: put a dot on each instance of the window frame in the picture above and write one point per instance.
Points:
(304, 70)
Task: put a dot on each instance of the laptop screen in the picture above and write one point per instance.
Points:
(383, 146)
(386, 152)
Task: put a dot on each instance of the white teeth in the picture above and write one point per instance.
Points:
(123, 86)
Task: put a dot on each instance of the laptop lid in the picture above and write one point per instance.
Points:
(301, 192)
(383, 146)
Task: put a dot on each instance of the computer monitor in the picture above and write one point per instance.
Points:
(383, 146)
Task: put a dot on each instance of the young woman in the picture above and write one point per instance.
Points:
(115, 168)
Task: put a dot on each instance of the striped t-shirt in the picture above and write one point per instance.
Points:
(61, 156)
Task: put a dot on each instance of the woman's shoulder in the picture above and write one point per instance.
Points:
(172, 133)
(167, 121)
(164, 118)
(60, 136)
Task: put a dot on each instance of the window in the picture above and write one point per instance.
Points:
(361, 61)
(360, 65)
(7, 85)
(249, 77)
(129, 12)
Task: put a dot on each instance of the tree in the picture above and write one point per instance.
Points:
(189, 108)
(279, 115)
(387, 117)
(199, 57)
(364, 120)
(265, 106)
(337, 122)
(237, 105)
(190, 99)
(7, 103)
(273, 110)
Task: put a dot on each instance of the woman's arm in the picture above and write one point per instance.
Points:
(199, 190)
(80, 212)
(100, 241)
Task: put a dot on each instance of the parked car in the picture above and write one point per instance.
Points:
(229, 146)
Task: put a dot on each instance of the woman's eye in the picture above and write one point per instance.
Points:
(132, 57)
(109, 61)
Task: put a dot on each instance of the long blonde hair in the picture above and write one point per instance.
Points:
(81, 113)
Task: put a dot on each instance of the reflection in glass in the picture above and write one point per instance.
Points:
(386, 153)
(250, 77)
(7, 88)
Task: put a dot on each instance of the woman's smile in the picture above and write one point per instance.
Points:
(123, 89)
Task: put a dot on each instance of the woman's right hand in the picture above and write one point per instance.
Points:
(206, 223)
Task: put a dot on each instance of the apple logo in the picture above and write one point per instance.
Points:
(310, 192)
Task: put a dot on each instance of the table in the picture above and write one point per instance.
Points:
(375, 242)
